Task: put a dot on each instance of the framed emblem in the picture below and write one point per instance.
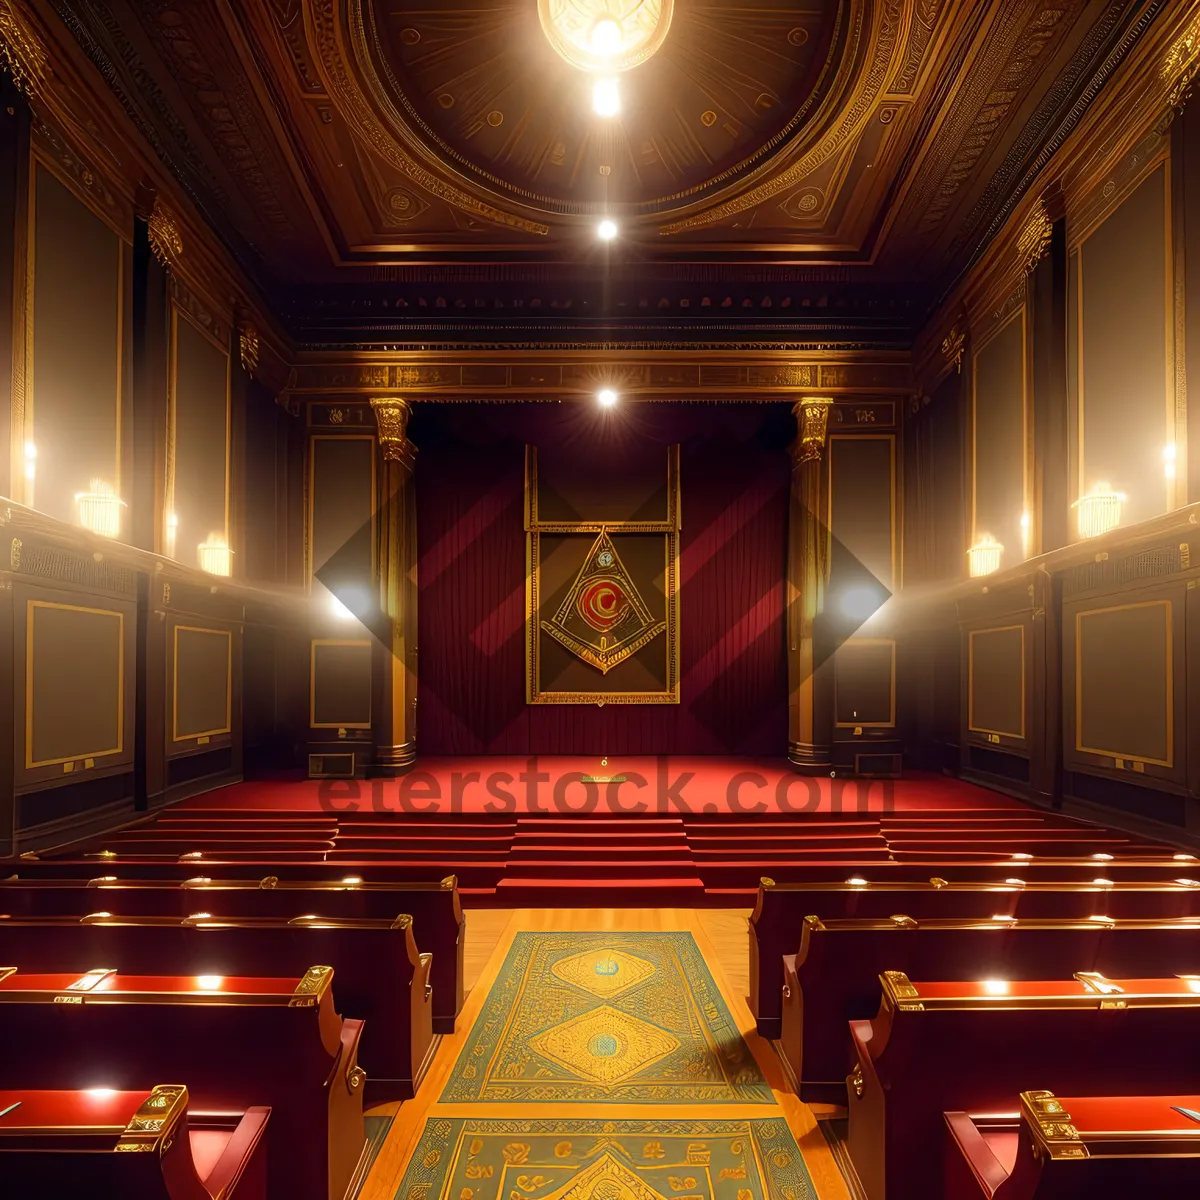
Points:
(601, 593)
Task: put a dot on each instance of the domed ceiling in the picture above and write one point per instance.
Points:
(570, 106)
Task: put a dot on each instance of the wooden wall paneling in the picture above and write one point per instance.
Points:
(8, 716)
(1051, 512)
(150, 382)
(1185, 172)
(14, 225)
(342, 683)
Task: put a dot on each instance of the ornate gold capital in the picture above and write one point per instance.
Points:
(1179, 70)
(391, 415)
(163, 231)
(953, 345)
(812, 421)
(1034, 238)
(248, 346)
(21, 50)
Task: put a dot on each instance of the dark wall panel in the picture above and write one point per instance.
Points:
(201, 421)
(1124, 686)
(999, 439)
(1123, 349)
(865, 682)
(341, 684)
(342, 499)
(74, 683)
(996, 672)
(861, 497)
(77, 330)
(203, 679)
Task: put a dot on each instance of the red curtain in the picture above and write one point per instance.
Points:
(734, 473)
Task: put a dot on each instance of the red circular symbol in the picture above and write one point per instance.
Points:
(602, 603)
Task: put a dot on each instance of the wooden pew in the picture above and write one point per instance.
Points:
(777, 921)
(87, 1143)
(952, 1046)
(833, 977)
(1075, 1148)
(382, 979)
(239, 1042)
(438, 919)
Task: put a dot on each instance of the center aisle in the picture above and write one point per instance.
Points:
(604, 1055)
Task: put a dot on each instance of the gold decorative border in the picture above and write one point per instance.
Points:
(312, 684)
(1169, 761)
(31, 605)
(971, 726)
(892, 684)
(203, 733)
(533, 531)
(177, 311)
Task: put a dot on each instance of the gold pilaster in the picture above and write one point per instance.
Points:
(395, 722)
(809, 680)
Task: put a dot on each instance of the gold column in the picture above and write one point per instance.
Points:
(395, 708)
(809, 680)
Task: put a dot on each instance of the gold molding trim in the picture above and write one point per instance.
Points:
(203, 733)
(312, 988)
(1051, 1127)
(954, 347)
(812, 420)
(151, 1126)
(248, 347)
(391, 415)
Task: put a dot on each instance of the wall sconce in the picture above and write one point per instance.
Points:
(983, 558)
(215, 555)
(100, 509)
(1099, 511)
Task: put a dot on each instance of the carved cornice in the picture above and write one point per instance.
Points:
(953, 347)
(248, 347)
(1179, 69)
(21, 50)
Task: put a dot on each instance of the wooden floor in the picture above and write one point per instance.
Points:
(722, 938)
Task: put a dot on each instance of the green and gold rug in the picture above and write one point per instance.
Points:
(627, 1018)
(552, 1159)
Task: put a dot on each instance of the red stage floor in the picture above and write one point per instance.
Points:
(563, 786)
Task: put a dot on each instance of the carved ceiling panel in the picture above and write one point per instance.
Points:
(863, 145)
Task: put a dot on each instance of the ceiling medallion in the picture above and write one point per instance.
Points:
(605, 35)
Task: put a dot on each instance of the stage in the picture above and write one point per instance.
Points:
(624, 786)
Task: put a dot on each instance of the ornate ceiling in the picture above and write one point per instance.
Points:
(374, 161)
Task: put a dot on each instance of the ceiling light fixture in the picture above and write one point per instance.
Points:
(606, 98)
(606, 398)
(606, 230)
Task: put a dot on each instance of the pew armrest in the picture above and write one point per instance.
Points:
(246, 1141)
(969, 1148)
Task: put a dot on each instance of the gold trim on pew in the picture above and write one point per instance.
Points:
(901, 991)
(999, 921)
(6, 973)
(312, 988)
(1050, 1124)
(1098, 983)
(1011, 884)
(150, 1128)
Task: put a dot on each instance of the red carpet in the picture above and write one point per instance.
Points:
(621, 787)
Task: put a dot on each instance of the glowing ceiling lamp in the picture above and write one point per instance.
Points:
(1098, 511)
(606, 36)
(606, 97)
(215, 555)
(100, 509)
(983, 558)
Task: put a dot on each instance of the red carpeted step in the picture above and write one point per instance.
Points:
(592, 868)
(653, 891)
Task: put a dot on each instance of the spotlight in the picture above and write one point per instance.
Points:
(606, 398)
(606, 98)
(606, 230)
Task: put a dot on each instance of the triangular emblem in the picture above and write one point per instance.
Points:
(603, 619)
